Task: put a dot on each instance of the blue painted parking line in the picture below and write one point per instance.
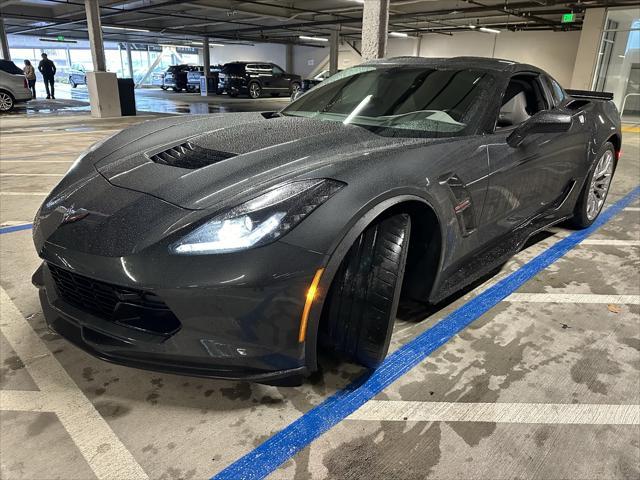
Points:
(267, 457)
(15, 228)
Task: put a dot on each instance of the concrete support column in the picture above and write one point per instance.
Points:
(588, 48)
(4, 43)
(94, 27)
(375, 27)
(206, 63)
(288, 64)
(206, 55)
(102, 85)
(129, 60)
(418, 46)
(334, 48)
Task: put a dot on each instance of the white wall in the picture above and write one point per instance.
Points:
(264, 52)
(554, 52)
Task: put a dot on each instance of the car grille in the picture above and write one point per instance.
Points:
(188, 155)
(129, 307)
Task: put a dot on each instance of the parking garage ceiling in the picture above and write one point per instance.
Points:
(282, 21)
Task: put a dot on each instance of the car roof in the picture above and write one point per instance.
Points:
(494, 64)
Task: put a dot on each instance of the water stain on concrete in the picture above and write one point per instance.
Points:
(590, 366)
(240, 391)
(40, 424)
(390, 453)
(109, 409)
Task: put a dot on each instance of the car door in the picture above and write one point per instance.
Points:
(279, 78)
(529, 179)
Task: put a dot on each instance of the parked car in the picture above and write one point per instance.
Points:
(193, 77)
(157, 79)
(77, 75)
(308, 83)
(256, 79)
(14, 87)
(176, 78)
(403, 178)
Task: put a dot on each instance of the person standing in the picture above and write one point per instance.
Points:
(48, 70)
(30, 74)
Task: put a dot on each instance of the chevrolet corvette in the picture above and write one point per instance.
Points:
(236, 245)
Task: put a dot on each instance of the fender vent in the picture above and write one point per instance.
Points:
(188, 155)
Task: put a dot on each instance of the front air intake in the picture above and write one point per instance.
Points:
(188, 155)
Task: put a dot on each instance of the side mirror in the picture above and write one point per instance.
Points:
(541, 122)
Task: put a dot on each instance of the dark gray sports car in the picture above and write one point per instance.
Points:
(232, 245)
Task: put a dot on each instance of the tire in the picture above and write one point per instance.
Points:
(596, 188)
(254, 90)
(233, 94)
(363, 298)
(164, 88)
(176, 89)
(72, 83)
(7, 102)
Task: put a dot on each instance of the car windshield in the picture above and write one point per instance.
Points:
(397, 100)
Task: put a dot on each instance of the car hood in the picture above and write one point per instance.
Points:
(249, 151)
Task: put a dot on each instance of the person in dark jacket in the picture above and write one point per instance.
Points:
(48, 70)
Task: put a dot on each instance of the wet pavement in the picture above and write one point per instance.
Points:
(533, 356)
(76, 100)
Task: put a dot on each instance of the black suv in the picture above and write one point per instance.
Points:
(176, 78)
(257, 79)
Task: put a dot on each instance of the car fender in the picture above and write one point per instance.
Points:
(355, 227)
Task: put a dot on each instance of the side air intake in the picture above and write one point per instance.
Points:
(188, 155)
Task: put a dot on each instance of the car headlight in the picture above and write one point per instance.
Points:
(260, 220)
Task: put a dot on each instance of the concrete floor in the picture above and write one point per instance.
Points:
(537, 357)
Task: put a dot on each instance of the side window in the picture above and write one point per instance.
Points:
(523, 98)
(276, 70)
(555, 90)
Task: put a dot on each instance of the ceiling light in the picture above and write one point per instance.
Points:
(398, 34)
(127, 29)
(313, 39)
(472, 26)
(489, 30)
(358, 1)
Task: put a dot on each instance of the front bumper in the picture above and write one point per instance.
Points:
(229, 329)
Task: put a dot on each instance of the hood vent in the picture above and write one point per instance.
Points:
(188, 155)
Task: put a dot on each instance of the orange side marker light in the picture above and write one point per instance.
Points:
(311, 295)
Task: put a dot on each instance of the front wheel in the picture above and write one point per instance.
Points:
(363, 299)
(7, 102)
(596, 188)
(254, 90)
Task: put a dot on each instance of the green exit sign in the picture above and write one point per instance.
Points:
(568, 17)
(60, 38)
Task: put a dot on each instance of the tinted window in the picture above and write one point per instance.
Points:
(555, 90)
(233, 68)
(277, 70)
(413, 101)
(10, 67)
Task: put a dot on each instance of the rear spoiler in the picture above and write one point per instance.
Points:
(589, 95)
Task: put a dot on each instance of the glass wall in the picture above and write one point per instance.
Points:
(618, 69)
